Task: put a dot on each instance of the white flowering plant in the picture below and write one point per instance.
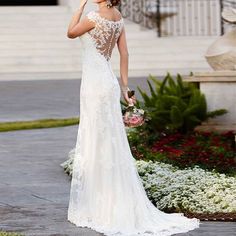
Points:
(189, 190)
(184, 190)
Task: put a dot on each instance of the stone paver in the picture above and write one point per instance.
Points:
(34, 190)
(27, 100)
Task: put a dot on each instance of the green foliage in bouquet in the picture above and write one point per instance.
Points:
(174, 105)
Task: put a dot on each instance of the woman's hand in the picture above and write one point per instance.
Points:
(82, 4)
(134, 99)
(129, 100)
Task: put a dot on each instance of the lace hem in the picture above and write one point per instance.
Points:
(68, 164)
(157, 232)
(149, 230)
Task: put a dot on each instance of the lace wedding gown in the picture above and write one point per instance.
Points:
(107, 194)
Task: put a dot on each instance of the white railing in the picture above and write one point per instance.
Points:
(176, 17)
(192, 18)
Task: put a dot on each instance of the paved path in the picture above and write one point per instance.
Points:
(34, 191)
(27, 100)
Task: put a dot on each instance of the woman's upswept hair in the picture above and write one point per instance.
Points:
(115, 2)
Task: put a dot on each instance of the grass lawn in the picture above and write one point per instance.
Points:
(37, 124)
(3, 233)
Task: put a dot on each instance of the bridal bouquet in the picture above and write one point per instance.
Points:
(133, 116)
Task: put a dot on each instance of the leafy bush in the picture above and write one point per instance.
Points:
(175, 106)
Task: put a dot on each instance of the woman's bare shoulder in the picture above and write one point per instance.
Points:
(118, 12)
(115, 15)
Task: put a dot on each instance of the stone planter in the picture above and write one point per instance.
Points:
(219, 88)
(221, 55)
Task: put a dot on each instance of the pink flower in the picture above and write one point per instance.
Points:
(133, 117)
(133, 121)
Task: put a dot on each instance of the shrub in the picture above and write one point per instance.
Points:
(175, 106)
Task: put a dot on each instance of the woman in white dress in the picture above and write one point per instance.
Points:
(107, 194)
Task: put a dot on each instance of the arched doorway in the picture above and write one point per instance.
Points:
(28, 2)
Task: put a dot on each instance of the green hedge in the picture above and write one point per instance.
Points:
(37, 124)
(4, 233)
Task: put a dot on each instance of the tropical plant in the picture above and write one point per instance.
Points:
(174, 105)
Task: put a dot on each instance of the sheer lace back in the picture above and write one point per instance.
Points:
(105, 33)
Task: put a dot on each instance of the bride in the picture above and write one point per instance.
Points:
(106, 191)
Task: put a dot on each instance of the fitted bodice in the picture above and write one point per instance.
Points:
(104, 35)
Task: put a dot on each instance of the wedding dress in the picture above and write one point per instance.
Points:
(106, 193)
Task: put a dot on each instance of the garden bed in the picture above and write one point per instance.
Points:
(209, 150)
(213, 216)
(182, 170)
(193, 191)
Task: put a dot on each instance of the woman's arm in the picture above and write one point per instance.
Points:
(76, 27)
(124, 66)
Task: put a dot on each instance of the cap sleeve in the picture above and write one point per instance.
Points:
(92, 16)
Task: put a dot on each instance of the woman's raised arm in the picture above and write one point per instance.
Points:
(76, 27)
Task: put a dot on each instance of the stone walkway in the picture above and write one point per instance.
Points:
(27, 100)
(34, 190)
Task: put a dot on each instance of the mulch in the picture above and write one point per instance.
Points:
(230, 217)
